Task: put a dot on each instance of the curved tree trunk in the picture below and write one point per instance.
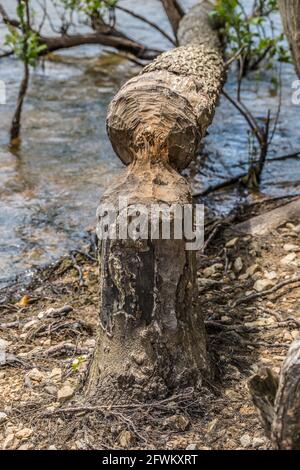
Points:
(278, 400)
(290, 13)
(152, 336)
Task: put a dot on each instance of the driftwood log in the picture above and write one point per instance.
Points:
(152, 336)
(279, 401)
(265, 223)
(290, 13)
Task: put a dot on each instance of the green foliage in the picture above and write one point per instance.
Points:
(89, 7)
(77, 363)
(24, 42)
(252, 32)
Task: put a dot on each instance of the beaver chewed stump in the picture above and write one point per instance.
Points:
(151, 338)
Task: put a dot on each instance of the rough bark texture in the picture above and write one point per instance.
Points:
(278, 401)
(290, 13)
(152, 337)
(286, 424)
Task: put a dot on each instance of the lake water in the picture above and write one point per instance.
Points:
(50, 187)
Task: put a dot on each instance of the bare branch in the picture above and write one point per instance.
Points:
(174, 12)
(145, 20)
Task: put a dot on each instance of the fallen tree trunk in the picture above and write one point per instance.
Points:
(290, 13)
(152, 336)
(279, 401)
(264, 223)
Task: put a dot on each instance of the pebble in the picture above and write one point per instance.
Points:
(258, 442)
(272, 275)
(65, 393)
(3, 417)
(178, 422)
(56, 374)
(232, 243)
(35, 375)
(238, 265)
(29, 324)
(245, 440)
(26, 446)
(263, 284)
(252, 269)
(288, 259)
(211, 270)
(290, 247)
(24, 434)
(10, 442)
(126, 439)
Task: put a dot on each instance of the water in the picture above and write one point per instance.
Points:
(50, 187)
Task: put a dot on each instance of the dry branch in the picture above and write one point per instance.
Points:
(263, 224)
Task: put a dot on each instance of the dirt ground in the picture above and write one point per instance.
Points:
(48, 334)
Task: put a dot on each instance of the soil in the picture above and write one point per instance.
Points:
(50, 333)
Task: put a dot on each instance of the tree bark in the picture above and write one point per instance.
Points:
(152, 336)
(279, 401)
(290, 13)
(286, 424)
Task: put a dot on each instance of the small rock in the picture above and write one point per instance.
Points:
(232, 243)
(126, 439)
(10, 442)
(52, 447)
(192, 447)
(272, 275)
(178, 422)
(65, 393)
(295, 334)
(238, 265)
(252, 269)
(56, 374)
(26, 446)
(245, 440)
(263, 284)
(29, 324)
(290, 247)
(51, 390)
(288, 259)
(3, 417)
(212, 270)
(90, 343)
(257, 442)
(24, 434)
(35, 375)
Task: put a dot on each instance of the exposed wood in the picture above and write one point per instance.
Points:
(264, 223)
(152, 336)
(290, 13)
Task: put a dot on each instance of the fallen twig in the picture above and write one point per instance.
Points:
(258, 295)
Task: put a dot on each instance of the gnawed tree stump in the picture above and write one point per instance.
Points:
(152, 336)
(290, 14)
(278, 401)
